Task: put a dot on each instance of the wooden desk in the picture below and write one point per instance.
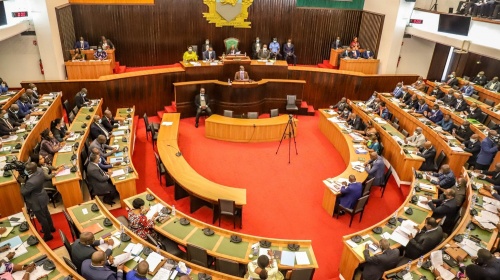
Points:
(188, 182)
(235, 59)
(126, 186)
(343, 143)
(89, 55)
(366, 66)
(483, 92)
(247, 130)
(218, 244)
(84, 220)
(91, 69)
(334, 56)
(11, 200)
(69, 185)
(259, 97)
(6, 100)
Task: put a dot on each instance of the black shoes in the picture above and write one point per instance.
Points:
(48, 237)
(196, 125)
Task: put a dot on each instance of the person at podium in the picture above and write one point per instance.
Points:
(106, 44)
(209, 54)
(337, 44)
(233, 50)
(100, 54)
(242, 75)
(354, 53)
(355, 43)
(82, 44)
(264, 53)
(189, 55)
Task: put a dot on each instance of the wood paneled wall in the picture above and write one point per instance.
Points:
(467, 65)
(159, 34)
(370, 31)
(66, 29)
(438, 62)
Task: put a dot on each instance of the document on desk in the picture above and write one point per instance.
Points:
(427, 187)
(288, 258)
(118, 172)
(400, 236)
(38, 273)
(491, 201)
(16, 245)
(423, 205)
(485, 223)
(336, 120)
(490, 217)
(162, 274)
(470, 247)
(10, 138)
(457, 149)
(63, 172)
(153, 210)
(16, 219)
(66, 148)
(118, 132)
(122, 258)
(167, 123)
(490, 207)
(105, 246)
(154, 259)
(302, 258)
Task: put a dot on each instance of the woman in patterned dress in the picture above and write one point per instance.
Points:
(138, 222)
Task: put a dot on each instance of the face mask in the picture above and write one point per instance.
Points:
(100, 121)
(473, 141)
(289, 44)
(449, 95)
(26, 172)
(207, 42)
(84, 94)
(434, 111)
(99, 50)
(264, 49)
(15, 112)
(346, 112)
(190, 50)
(462, 127)
(63, 124)
(2, 268)
(275, 41)
(257, 40)
(241, 71)
(35, 89)
(6, 116)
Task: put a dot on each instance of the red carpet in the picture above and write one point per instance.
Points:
(283, 200)
(133, 69)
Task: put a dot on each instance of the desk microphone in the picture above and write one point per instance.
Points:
(178, 152)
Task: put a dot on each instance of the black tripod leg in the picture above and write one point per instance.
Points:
(293, 135)
(282, 137)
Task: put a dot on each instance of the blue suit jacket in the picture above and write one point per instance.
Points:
(488, 152)
(446, 181)
(398, 92)
(377, 171)
(436, 117)
(422, 108)
(85, 45)
(351, 194)
(467, 90)
(90, 272)
(24, 109)
(365, 55)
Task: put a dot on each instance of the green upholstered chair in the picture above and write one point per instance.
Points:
(231, 41)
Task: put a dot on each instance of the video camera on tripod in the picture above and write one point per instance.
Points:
(14, 164)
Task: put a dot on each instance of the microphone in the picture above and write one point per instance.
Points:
(178, 152)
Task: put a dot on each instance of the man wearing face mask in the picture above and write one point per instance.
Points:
(463, 132)
(485, 266)
(452, 80)
(96, 128)
(6, 127)
(36, 198)
(100, 54)
(489, 148)
(202, 101)
(82, 44)
(14, 119)
(337, 44)
(209, 54)
(467, 89)
(241, 75)
(24, 107)
(34, 89)
(473, 112)
(264, 53)
(81, 98)
(472, 146)
(256, 47)
(449, 99)
(289, 51)
(493, 85)
(32, 99)
(206, 46)
(417, 139)
(274, 46)
(461, 104)
(480, 79)
(3, 86)
(189, 55)
(435, 115)
(495, 175)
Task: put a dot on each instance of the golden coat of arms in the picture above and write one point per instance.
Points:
(228, 12)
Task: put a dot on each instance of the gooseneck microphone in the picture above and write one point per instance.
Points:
(178, 152)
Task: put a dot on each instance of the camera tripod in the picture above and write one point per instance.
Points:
(290, 132)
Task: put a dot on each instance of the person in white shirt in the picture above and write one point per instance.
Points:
(417, 139)
(264, 266)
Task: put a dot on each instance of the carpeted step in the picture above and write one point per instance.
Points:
(310, 110)
(321, 65)
(170, 109)
(160, 114)
(121, 69)
(303, 104)
(174, 105)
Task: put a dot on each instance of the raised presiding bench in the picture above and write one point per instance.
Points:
(366, 66)
(187, 182)
(91, 69)
(219, 245)
(247, 130)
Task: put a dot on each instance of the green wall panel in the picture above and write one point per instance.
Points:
(351, 5)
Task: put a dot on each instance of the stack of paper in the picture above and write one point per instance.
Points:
(154, 259)
(426, 186)
(66, 148)
(470, 247)
(64, 172)
(19, 218)
(16, 245)
(437, 263)
(423, 205)
(118, 172)
(490, 217)
(457, 149)
(118, 132)
(491, 201)
(105, 246)
(134, 249)
(167, 123)
(336, 120)
(38, 273)
(10, 138)
(288, 258)
(402, 233)
(153, 210)
(490, 207)
(162, 274)
(380, 120)
(356, 137)
(302, 258)
(485, 223)
(361, 151)
(122, 258)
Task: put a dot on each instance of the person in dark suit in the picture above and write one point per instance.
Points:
(446, 123)
(412, 103)
(100, 143)
(406, 95)
(489, 149)
(341, 105)
(345, 53)
(422, 107)
(495, 175)
(209, 54)
(25, 108)
(435, 115)
(37, 199)
(96, 268)
(354, 53)
(289, 51)
(459, 188)
(108, 120)
(140, 272)
(99, 180)
(449, 99)
(59, 130)
(241, 75)
(446, 209)
(463, 132)
(480, 79)
(83, 248)
(467, 89)
(445, 177)
(452, 80)
(367, 54)
(428, 152)
(32, 98)
(6, 127)
(103, 164)
(484, 267)
(264, 53)
(356, 122)
(14, 119)
(376, 265)
(256, 47)
(473, 112)
(375, 168)
(349, 194)
(96, 129)
(337, 44)
(106, 44)
(493, 85)
(461, 104)
(426, 240)
(473, 146)
(82, 44)
(202, 102)
(81, 98)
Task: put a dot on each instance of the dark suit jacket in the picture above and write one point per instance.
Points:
(80, 252)
(423, 243)
(377, 171)
(6, 127)
(406, 97)
(474, 115)
(357, 123)
(79, 46)
(98, 180)
(287, 49)
(495, 177)
(209, 56)
(263, 55)
(452, 82)
(445, 208)
(110, 44)
(436, 116)
(336, 45)
(487, 271)
(344, 54)
(351, 194)
(480, 80)
(488, 151)
(59, 134)
(80, 100)
(450, 101)
(351, 54)
(95, 130)
(14, 119)
(108, 124)
(197, 101)
(376, 265)
(472, 148)
(237, 76)
(33, 192)
(367, 55)
(24, 108)
(462, 107)
(429, 157)
(90, 272)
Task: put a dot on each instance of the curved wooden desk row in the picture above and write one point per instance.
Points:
(62, 270)
(248, 130)
(488, 238)
(483, 92)
(83, 221)
(125, 184)
(260, 96)
(7, 100)
(219, 245)
(401, 162)
(69, 185)
(343, 143)
(187, 181)
(11, 200)
(352, 257)
(455, 159)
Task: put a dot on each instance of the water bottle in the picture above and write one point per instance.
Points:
(173, 210)
(420, 261)
(121, 228)
(158, 248)
(467, 232)
(395, 216)
(408, 266)
(473, 201)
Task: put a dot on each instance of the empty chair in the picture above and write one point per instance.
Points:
(302, 274)
(395, 125)
(65, 241)
(395, 120)
(198, 255)
(75, 233)
(274, 113)
(160, 168)
(386, 179)
(482, 118)
(475, 96)
(167, 245)
(291, 106)
(358, 208)
(75, 110)
(228, 208)
(492, 125)
(405, 133)
(70, 264)
(381, 149)
(229, 267)
(367, 185)
(253, 115)
(123, 220)
(439, 161)
(66, 106)
(147, 125)
(228, 113)
(71, 117)
(489, 102)
(154, 135)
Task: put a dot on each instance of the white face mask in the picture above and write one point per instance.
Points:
(257, 40)
(2, 268)
(473, 140)
(190, 50)
(264, 49)
(207, 42)
(6, 116)
(100, 121)
(289, 44)
(35, 89)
